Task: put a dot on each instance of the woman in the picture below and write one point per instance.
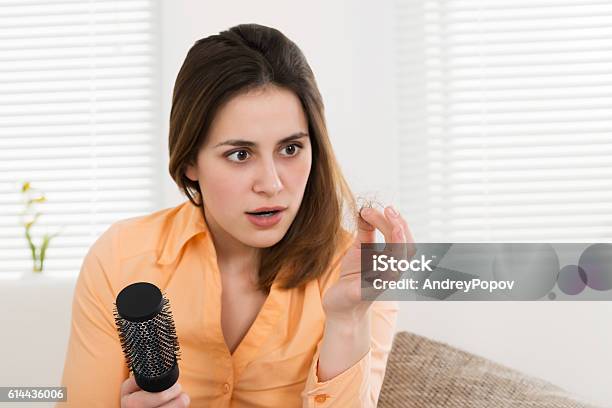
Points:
(262, 277)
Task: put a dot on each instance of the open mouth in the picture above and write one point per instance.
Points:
(264, 213)
(265, 219)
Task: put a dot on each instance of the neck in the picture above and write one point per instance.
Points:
(232, 255)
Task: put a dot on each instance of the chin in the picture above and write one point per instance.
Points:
(262, 243)
(264, 239)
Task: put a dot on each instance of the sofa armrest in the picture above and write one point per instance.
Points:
(425, 373)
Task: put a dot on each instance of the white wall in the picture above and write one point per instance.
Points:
(349, 45)
(35, 317)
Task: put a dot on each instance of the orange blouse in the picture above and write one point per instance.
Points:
(273, 366)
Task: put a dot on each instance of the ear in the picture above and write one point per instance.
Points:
(191, 172)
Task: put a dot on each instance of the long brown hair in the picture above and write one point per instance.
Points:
(243, 58)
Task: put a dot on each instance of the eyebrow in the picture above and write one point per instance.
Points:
(248, 143)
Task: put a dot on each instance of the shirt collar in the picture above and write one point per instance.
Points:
(187, 222)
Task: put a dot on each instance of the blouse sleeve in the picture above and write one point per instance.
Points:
(94, 366)
(360, 384)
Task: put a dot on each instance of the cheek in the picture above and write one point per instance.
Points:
(299, 171)
(220, 188)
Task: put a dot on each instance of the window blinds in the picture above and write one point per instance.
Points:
(78, 120)
(506, 119)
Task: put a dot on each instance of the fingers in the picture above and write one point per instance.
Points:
(129, 386)
(388, 223)
(366, 231)
(408, 250)
(395, 231)
(409, 238)
(179, 402)
(391, 226)
(374, 219)
(134, 396)
(396, 226)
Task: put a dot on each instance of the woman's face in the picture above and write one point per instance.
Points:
(248, 162)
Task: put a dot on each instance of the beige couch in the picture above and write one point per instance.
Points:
(424, 373)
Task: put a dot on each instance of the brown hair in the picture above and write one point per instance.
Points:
(243, 58)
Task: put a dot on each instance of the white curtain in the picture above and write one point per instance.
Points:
(79, 120)
(506, 119)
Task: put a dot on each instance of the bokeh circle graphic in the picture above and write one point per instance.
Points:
(596, 262)
(572, 279)
(533, 267)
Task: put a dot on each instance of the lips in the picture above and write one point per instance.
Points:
(266, 218)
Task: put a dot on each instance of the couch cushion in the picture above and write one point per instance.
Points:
(424, 373)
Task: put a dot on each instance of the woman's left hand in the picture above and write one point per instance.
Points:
(342, 301)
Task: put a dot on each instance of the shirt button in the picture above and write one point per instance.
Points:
(226, 388)
(321, 398)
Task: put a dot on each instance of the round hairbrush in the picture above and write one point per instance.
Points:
(148, 336)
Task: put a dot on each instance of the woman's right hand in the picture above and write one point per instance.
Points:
(132, 396)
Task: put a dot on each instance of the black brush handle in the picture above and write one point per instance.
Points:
(159, 383)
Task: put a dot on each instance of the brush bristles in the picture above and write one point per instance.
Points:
(151, 348)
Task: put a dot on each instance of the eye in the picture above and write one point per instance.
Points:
(293, 148)
(240, 155)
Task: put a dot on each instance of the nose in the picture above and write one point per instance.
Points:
(268, 180)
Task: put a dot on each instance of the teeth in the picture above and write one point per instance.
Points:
(265, 213)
